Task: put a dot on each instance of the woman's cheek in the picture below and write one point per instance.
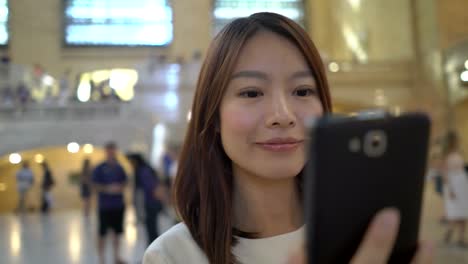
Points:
(239, 119)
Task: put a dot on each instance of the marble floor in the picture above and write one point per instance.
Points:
(68, 237)
(65, 237)
(433, 230)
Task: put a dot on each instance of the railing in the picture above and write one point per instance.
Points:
(56, 112)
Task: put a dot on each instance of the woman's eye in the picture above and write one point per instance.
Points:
(251, 94)
(302, 92)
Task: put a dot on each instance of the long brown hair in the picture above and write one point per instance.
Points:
(203, 186)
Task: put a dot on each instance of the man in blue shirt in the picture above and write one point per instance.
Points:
(109, 180)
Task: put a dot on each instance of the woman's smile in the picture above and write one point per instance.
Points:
(285, 144)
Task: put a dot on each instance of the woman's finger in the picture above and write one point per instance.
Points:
(378, 242)
(425, 254)
(298, 257)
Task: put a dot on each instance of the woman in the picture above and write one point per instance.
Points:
(455, 190)
(238, 186)
(85, 185)
(153, 193)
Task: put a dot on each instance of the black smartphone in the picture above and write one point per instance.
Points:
(357, 166)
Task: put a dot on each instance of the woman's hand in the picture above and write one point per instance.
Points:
(115, 188)
(378, 242)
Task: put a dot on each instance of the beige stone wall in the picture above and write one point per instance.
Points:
(428, 80)
(36, 33)
(461, 122)
(385, 24)
(36, 37)
(452, 20)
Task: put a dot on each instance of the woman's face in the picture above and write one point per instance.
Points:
(270, 95)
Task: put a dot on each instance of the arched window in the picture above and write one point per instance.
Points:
(227, 10)
(118, 23)
(3, 22)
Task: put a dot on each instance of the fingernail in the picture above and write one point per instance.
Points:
(389, 218)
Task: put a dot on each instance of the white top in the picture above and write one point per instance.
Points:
(24, 179)
(177, 246)
(456, 208)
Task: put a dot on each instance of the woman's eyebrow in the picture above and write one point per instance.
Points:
(302, 74)
(264, 76)
(250, 74)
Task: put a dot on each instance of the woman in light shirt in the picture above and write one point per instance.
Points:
(238, 188)
(455, 190)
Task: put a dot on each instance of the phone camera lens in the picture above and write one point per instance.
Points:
(375, 143)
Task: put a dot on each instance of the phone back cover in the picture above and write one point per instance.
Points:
(344, 190)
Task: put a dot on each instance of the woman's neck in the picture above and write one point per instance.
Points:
(267, 207)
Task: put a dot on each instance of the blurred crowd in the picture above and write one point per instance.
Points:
(22, 85)
(108, 182)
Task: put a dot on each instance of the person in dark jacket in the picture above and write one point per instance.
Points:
(153, 190)
(85, 185)
(47, 184)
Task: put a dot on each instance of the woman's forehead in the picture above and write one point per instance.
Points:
(269, 51)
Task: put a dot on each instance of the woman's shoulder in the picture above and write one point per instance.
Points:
(178, 233)
(174, 246)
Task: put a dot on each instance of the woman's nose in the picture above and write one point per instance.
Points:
(281, 114)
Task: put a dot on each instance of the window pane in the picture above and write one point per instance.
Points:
(118, 22)
(227, 10)
(3, 22)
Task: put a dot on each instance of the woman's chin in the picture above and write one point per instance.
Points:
(280, 173)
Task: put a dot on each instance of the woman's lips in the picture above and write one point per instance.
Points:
(280, 144)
